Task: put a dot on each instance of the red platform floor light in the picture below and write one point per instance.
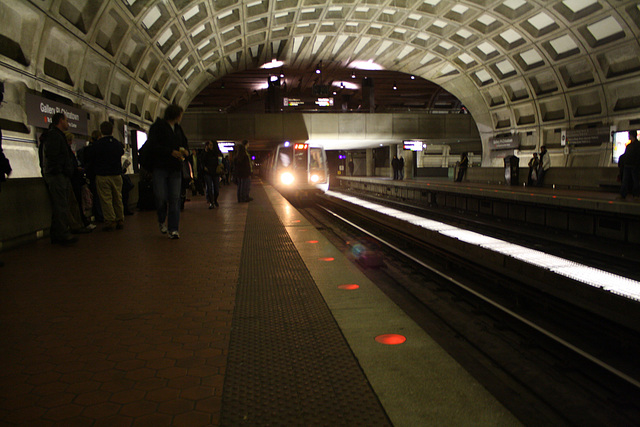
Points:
(391, 339)
(349, 286)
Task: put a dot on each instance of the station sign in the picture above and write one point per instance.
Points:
(590, 136)
(413, 145)
(40, 113)
(324, 102)
(505, 141)
(226, 146)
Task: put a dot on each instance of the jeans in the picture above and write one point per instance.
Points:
(59, 189)
(244, 186)
(166, 187)
(212, 188)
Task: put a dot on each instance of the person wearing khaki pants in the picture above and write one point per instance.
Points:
(106, 155)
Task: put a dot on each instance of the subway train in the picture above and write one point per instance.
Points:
(298, 170)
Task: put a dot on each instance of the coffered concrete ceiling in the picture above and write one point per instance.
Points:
(516, 64)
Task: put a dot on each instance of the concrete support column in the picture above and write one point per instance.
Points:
(409, 162)
(371, 165)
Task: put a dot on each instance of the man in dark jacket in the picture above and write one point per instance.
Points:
(5, 166)
(105, 158)
(168, 147)
(57, 168)
(210, 160)
(5, 169)
(242, 170)
(631, 168)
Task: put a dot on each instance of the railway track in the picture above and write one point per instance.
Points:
(546, 361)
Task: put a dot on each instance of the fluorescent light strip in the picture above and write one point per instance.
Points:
(604, 280)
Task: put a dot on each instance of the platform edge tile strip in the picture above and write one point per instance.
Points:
(288, 362)
(417, 382)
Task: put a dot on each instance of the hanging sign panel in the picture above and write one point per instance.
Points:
(40, 113)
(412, 145)
(590, 136)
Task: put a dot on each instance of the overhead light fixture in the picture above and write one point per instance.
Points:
(319, 68)
(413, 77)
(273, 64)
(395, 87)
(221, 85)
(353, 74)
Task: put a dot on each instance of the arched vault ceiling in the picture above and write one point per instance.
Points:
(513, 63)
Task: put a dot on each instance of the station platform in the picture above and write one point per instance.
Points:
(592, 213)
(251, 318)
(604, 201)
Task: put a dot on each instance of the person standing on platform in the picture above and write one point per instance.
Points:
(91, 176)
(106, 159)
(226, 170)
(631, 168)
(533, 170)
(543, 165)
(5, 168)
(242, 169)
(168, 147)
(351, 166)
(395, 165)
(462, 166)
(401, 168)
(57, 169)
(79, 223)
(210, 161)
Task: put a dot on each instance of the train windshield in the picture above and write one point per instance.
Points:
(300, 159)
(285, 156)
(315, 159)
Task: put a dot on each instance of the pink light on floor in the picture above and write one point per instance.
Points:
(327, 259)
(349, 286)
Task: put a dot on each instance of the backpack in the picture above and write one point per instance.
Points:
(145, 157)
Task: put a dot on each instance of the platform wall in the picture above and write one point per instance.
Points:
(25, 210)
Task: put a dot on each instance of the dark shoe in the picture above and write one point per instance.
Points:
(109, 227)
(128, 213)
(210, 205)
(216, 204)
(249, 199)
(120, 225)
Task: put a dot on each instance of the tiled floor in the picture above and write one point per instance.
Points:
(126, 328)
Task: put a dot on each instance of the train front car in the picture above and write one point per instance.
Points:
(300, 170)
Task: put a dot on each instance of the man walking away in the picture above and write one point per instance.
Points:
(242, 168)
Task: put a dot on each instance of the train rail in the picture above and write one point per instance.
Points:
(546, 360)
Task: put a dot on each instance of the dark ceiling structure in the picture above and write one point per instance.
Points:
(247, 91)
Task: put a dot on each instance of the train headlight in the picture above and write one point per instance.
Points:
(315, 178)
(287, 178)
